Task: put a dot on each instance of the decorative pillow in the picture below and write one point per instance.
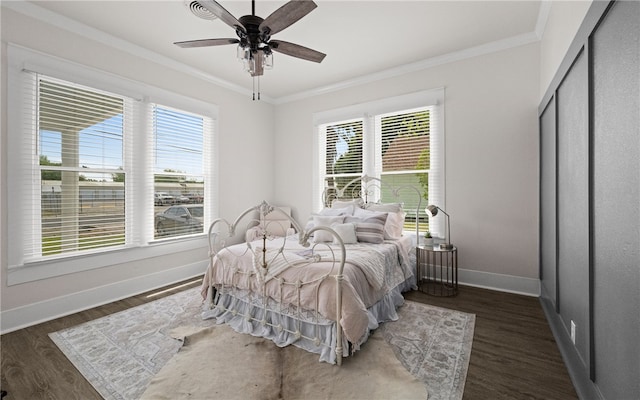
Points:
(337, 211)
(320, 220)
(347, 233)
(276, 222)
(371, 229)
(395, 225)
(384, 207)
(276, 227)
(354, 204)
(395, 217)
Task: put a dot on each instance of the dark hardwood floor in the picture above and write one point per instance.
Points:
(514, 355)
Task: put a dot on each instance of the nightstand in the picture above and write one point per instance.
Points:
(437, 270)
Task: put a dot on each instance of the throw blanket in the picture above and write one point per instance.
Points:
(370, 261)
(276, 262)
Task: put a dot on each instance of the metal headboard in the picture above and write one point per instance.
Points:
(369, 189)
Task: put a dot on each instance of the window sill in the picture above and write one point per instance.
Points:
(39, 270)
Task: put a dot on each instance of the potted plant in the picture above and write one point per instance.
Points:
(428, 239)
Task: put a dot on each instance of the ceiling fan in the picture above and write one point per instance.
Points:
(255, 46)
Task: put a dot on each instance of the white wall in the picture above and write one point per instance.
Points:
(245, 156)
(491, 134)
(564, 20)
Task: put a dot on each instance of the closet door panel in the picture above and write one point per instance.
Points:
(573, 204)
(616, 201)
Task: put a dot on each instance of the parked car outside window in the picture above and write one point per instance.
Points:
(180, 220)
(162, 199)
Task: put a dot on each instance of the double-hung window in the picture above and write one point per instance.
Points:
(399, 141)
(88, 162)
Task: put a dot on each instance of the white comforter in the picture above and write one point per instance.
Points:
(370, 272)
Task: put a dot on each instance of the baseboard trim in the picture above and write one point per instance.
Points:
(32, 314)
(585, 388)
(500, 282)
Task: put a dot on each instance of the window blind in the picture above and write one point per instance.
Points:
(402, 144)
(78, 187)
(178, 171)
(403, 159)
(343, 152)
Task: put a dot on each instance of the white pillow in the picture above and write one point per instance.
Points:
(395, 225)
(328, 212)
(384, 207)
(355, 203)
(337, 211)
(276, 227)
(321, 220)
(347, 233)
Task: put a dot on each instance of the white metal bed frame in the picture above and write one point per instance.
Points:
(369, 187)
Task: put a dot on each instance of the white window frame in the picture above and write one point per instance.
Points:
(140, 243)
(367, 111)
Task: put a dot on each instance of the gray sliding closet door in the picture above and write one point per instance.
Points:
(572, 100)
(590, 224)
(548, 202)
(616, 202)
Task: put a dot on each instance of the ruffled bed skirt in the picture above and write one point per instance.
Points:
(304, 329)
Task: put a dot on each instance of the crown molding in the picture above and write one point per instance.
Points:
(543, 17)
(471, 52)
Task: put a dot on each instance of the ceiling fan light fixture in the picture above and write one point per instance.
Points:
(255, 62)
(267, 61)
(243, 53)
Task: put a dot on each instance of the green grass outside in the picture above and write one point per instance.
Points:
(52, 245)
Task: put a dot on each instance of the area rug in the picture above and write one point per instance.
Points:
(120, 354)
(219, 363)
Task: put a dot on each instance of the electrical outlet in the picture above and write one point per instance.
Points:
(573, 332)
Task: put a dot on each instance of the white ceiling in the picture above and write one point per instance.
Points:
(363, 40)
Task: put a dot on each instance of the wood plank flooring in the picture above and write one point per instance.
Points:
(514, 355)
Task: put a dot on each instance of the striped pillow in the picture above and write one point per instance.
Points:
(371, 229)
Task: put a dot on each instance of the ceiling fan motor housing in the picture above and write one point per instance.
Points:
(252, 36)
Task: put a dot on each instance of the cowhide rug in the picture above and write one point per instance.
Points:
(218, 363)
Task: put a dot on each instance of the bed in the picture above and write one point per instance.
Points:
(323, 287)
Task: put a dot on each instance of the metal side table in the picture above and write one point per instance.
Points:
(437, 270)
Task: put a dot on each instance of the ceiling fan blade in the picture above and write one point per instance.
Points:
(206, 42)
(286, 15)
(295, 50)
(225, 16)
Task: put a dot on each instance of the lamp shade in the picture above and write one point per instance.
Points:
(432, 210)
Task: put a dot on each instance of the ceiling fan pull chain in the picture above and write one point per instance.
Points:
(256, 83)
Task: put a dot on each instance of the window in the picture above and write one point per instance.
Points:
(399, 141)
(80, 201)
(93, 164)
(178, 170)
